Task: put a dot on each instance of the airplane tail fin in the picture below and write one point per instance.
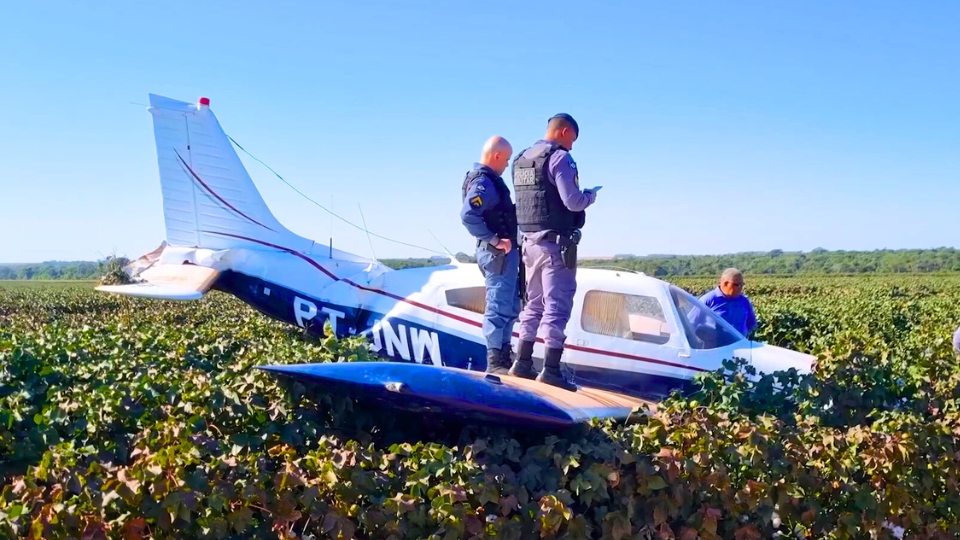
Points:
(209, 199)
(210, 205)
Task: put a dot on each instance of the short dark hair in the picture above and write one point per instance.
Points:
(564, 120)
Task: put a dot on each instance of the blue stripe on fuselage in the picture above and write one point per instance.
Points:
(404, 340)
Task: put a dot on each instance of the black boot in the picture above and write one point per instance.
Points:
(523, 365)
(495, 362)
(506, 356)
(551, 371)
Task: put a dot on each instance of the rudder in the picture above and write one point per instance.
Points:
(209, 199)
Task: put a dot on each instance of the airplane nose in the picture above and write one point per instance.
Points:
(769, 358)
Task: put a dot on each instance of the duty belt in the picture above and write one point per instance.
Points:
(482, 242)
(563, 239)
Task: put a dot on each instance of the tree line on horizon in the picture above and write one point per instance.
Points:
(776, 262)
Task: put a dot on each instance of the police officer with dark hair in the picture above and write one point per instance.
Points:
(489, 214)
(550, 213)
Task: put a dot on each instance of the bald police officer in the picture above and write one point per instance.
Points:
(490, 216)
(550, 213)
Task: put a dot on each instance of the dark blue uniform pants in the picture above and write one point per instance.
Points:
(500, 270)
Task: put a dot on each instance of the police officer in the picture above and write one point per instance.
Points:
(550, 213)
(489, 214)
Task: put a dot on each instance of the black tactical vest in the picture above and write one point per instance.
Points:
(539, 206)
(502, 218)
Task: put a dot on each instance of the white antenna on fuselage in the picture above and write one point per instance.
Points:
(453, 258)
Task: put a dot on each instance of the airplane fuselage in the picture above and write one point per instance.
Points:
(407, 319)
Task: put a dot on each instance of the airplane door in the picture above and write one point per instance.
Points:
(626, 341)
(461, 306)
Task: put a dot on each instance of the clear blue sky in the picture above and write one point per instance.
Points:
(713, 127)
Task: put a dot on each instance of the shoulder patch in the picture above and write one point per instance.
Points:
(476, 202)
(480, 187)
(573, 164)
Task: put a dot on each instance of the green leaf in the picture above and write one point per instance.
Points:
(656, 482)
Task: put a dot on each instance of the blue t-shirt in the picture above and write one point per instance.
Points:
(736, 311)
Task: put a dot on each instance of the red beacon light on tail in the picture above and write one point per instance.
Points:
(204, 102)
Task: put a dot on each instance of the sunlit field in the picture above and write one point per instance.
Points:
(129, 418)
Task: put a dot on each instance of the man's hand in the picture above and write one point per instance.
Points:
(503, 244)
(591, 197)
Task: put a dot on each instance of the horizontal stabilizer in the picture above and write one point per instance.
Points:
(169, 282)
(463, 394)
(149, 290)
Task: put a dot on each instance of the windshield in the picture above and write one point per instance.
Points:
(704, 328)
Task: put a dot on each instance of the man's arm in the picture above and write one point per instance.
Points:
(751, 322)
(564, 173)
(481, 195)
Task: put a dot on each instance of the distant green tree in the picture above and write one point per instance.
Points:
(774, 262)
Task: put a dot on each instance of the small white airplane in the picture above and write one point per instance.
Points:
(632, 339)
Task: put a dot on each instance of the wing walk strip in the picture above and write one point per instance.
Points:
(454, 316)
(589, 401)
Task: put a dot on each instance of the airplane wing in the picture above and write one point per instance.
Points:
(463, 394)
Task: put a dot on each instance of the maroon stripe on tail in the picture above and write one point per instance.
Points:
(312, 262)
(214, 193)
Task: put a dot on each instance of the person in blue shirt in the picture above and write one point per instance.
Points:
(956, 341)
(489, 214)
(728, 301)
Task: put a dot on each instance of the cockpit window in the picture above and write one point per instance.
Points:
(628, 316)
(704, 328)
(469, 298)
